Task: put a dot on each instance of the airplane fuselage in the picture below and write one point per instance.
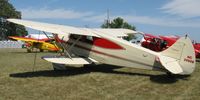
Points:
(108, 52)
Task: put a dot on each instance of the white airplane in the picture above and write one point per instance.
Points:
(87, 46)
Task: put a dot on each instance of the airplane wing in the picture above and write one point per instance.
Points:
(62, 29)
(117, 32)
(110, 34)
(25, 39)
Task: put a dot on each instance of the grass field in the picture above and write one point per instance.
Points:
(19, 80)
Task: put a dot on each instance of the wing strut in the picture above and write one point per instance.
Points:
(66, 53)
(67, 50)
(74, 43)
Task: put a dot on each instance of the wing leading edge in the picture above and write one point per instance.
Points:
(63, 29)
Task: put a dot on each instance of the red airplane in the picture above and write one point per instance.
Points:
(197, 49)
(160, 43)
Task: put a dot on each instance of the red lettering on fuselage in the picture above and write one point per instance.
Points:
(188, 60)
(189, 57)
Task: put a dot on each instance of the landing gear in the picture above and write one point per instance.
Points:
(29, 50)
(58, 67)
(41, 50)
(170, 75)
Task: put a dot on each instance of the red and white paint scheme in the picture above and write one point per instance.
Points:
(86, 46)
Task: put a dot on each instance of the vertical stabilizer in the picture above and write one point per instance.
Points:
(180, 57)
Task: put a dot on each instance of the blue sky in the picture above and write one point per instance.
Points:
(159, 17)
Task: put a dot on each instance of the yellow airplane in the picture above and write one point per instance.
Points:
(41, 44)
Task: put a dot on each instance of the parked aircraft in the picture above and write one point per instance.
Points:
(160, 43)
(41, 44)
(87, 45)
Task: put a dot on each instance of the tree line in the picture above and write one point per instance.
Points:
(9, 29)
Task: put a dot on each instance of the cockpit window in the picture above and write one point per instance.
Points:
(137, 38)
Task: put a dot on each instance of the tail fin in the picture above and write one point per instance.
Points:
(180, 57)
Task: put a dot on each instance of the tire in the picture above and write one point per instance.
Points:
(170, 75)
(57, 67)
(41, 50)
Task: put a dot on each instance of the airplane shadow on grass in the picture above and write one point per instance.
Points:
(71, 71)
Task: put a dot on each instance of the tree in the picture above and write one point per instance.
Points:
(120, 23)
(9, 29)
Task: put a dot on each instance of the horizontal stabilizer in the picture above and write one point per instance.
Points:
(171, 64)
(63, 60)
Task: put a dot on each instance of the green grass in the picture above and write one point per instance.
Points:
(19, 80)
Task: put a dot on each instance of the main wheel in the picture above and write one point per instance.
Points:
(29, 50)
(41, 50)
(57, 67)
(170, 75)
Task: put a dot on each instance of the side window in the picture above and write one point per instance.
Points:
(90, 38)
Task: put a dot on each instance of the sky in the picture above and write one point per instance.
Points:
(158, 17)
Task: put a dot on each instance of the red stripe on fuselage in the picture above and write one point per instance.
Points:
(109, 55)
(104, 43)
(95, 41)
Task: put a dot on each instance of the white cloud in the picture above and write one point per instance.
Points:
(161, 21)
(88, 16)
(97, 19)
(183, 8)
(42, 13)
(169, 22)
